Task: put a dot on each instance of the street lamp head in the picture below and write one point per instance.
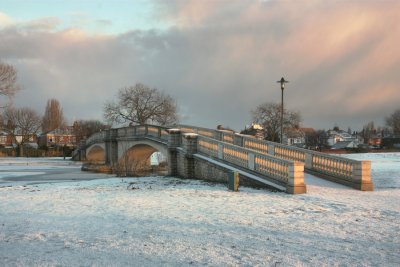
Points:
(282, 81)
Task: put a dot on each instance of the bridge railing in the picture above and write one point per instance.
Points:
(342, 170)
(158, 132)
(346, 171)
(285, 172)
(96, 138)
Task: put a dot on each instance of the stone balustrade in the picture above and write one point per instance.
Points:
(95, 138)
(286, 172)
(356, 174)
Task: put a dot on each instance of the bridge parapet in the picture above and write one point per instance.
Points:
(338, 169)
(157, 132)
(356, 174)
(96, 138)
(281, 171)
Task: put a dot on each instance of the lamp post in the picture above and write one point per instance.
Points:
(282, 81)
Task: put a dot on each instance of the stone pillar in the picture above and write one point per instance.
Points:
(362, 176)
(295, 184)
(174, 141)
(189, 146)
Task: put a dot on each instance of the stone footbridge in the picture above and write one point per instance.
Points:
(195, 152)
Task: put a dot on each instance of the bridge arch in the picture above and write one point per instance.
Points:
(134, 156)
(96, 153)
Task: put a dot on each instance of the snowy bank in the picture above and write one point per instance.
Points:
(175, 222)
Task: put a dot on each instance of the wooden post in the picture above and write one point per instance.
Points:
(233, 181)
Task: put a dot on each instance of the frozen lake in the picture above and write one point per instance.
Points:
(51, 214)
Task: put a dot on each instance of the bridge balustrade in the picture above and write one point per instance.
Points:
(338, 169)
(208, 147)
(315, 162)
(254, 144)
(266, 165)
(143, 130)
(95, 138)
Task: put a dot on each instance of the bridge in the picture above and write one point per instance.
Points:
(201, 153)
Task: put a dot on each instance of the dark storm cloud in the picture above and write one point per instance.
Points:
(222, 58)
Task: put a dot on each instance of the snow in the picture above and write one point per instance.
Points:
(153, 221)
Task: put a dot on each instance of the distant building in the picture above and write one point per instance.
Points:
(255, 130)
(5, 139)
(58, 137)
(294, 137)
(334, 139)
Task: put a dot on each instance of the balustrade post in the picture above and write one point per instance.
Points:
(159, 133)
(251, 161)
(362, 176)
(295, 184)
(220, 151)
(238, 140)
(218, 135)
(308, 161)
(271, 149)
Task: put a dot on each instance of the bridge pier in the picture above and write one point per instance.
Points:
(111, 145)
(174, 141)
(189, 148)
(81, 155)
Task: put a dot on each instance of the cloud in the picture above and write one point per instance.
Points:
(220, 59)
(5, 20)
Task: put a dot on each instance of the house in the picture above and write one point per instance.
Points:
(333, 137)
(58, 137)
(344, 145)
(301, 137)
(294, 137)
(5, 139)
(255, 130)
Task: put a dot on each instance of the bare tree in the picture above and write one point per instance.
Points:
(85, 128)
(8, 81)
(53, 117)
(141, 104)
(22, 124)
(393, 121)
(268, 115)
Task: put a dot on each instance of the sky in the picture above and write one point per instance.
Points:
(219, 59)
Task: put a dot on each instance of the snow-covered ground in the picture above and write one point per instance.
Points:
(158, 221)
